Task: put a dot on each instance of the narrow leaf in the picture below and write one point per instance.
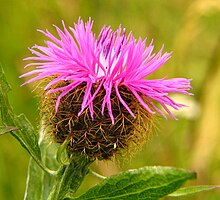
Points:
(34, 183)
(145, 183)
(48, 156)
(70, 177)
(192, 190)
(25, 133)
(7, 129)
(39, 184)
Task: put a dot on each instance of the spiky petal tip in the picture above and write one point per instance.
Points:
(111, 60)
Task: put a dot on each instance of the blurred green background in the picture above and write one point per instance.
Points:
(191, 29)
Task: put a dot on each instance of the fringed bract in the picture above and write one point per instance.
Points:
(97, 138)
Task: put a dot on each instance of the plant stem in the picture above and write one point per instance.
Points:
(70, 177)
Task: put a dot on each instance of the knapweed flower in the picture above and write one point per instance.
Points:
(97, 93)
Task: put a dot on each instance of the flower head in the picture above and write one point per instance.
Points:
(104, 80)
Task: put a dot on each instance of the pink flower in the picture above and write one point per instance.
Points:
(111, 60)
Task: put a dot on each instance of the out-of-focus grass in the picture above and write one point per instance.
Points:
(188, 28)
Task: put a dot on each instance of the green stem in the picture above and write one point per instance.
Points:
(70, 177)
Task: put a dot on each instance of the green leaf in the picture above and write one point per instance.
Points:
(145, 183)
(70, 177)
(192, 190)
(7, 129)
(25, 133)
(48, 150)
(39, 183)
(34, 182)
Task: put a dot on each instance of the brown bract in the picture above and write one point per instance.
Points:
(96, 138)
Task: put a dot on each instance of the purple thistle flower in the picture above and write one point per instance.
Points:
(110, 61)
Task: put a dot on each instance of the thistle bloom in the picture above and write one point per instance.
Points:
(101, 74)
